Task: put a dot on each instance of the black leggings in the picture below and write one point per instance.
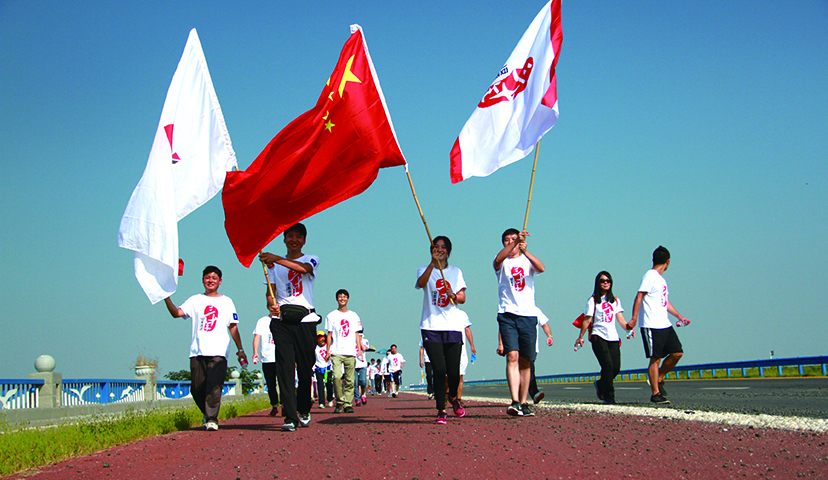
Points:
(445, 363)
(609, 357)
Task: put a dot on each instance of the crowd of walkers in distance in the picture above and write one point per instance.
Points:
(303, 366)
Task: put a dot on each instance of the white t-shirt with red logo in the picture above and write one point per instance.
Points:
(603, 318)
(267, 349)
(516, 287)
(654, 312)
(211, 317)
(395, 362)
(361, 361)
(344, 327)
(293, 287)
(439, 314)
(321, 351)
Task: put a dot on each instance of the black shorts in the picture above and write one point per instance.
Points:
(518, 334)
(660, 342)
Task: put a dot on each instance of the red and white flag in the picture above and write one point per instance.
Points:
(190, 156)
(328, 154)
(519, 107)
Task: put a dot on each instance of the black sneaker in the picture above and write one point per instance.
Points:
(661, 390)
(598, 391)
(609, 400)
(349, 409)
(659, 398)
(338, 409)
(527, 412)
(514, 410)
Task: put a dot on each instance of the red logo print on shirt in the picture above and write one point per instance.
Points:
(518, 279)
(346, 327)
(442, 294)
(608, 312)
(296, 282)
(210, 318)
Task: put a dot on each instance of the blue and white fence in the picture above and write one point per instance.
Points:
(680, 371)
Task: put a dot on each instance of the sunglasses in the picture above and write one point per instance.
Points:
(605, 280)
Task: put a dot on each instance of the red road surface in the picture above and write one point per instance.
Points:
(397, 439)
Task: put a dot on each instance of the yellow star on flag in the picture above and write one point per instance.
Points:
(329, 125)
(348, 76)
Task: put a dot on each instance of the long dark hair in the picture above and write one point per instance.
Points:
(596, 292)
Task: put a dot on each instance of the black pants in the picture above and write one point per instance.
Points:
(378, 384)
(269, 373)
(429, 377)
(295, 344)
(445, 363)
(609, 357)
(533, 382)
(324, 389)
(207, 381)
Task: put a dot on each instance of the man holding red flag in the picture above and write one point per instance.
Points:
(330, 153)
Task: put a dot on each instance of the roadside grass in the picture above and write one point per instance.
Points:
(22, 450)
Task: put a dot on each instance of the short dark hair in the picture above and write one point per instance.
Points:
(445, 240)
(660, 255)
(298, 228)
(211, 269)
(509, 231)
(393, 345)
(342, 291)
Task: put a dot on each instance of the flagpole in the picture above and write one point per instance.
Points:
(531, 186)
(269, 284)
(420, 209)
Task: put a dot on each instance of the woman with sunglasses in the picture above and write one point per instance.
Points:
(603, 335)
(442, 324)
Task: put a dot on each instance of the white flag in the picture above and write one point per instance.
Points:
(519, 107)
(190, 156)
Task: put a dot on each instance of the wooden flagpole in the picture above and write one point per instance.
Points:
(269, 284)
(531, 186)
(420, 209)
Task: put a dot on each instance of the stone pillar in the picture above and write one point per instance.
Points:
(236, 378)
(147, 373)
(51, 392)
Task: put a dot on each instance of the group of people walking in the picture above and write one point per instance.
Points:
(293, 351)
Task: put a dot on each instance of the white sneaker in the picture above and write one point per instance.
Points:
(211, 426)
(304, 420)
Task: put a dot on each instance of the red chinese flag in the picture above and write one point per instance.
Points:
(329, 154)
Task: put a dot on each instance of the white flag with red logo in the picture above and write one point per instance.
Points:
(190, 156)
(519, 107)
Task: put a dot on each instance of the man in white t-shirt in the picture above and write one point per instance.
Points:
(360, 373)
(213, 315)
(660, 339)
(517, 319)
(294, 322)
(262, 337)
(345, 341)
(395, 366)
(322, 371)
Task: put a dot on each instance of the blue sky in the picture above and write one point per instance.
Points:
(698, 126)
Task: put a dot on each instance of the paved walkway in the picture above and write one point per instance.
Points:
(397, 439)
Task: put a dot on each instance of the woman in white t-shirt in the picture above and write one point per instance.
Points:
(606, 344)
(442, 324)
